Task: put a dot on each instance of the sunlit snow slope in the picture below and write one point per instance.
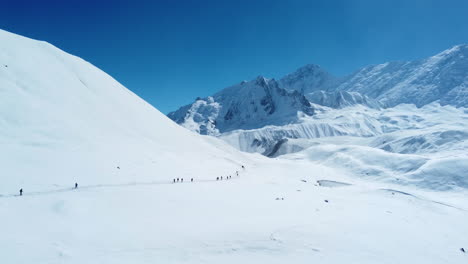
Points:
(62, 121)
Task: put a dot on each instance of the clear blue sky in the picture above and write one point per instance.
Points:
(170, 52)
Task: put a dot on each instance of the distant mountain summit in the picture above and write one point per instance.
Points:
(247, 105)
(309, 78)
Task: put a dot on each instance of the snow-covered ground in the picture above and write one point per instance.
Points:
(64, 121)
(274, 212)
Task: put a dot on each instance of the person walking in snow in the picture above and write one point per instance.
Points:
(173, 180)
(237, 173)
(76, 185)
(217, 178)
(182, 180)
(191, 180)
(177, 179)
(21, 191)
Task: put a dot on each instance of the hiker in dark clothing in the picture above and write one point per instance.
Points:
(221, 177)
(182, 180)
(191, 180)
(21, 192)
(173, 180)
(243, 167)
(462, 250)
(217, 178)
(76, 185)
(237, 173)
(177, 179)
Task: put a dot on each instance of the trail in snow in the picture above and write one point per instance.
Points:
(95, 186)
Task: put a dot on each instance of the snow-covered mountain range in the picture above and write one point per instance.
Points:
(442, 78)
(239, 112)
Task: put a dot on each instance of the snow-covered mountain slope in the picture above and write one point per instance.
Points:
(341, 99)
(327, 122)
(63, 120)
(428, 148)
(442, 77)
(247, 105)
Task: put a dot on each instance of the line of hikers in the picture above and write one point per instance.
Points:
(180, 180)
(217, 178)
(174, 180)
(227, 177)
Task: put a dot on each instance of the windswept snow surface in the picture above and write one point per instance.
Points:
(64, 121)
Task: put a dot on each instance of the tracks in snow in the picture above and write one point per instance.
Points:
(96, 186)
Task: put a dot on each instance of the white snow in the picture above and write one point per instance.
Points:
(63, 121)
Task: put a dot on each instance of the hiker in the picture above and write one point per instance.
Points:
(217, 178)
(182, 180)
(191, 180)
(243, 167)
(21, 191)
(237, 173)
(118, 167)
(462, 250)
(76, 185)
(173, 180)
(177, 179)
(221, 177)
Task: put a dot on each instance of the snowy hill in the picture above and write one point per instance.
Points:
(60, 115)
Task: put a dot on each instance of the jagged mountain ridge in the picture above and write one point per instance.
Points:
(442, 77)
